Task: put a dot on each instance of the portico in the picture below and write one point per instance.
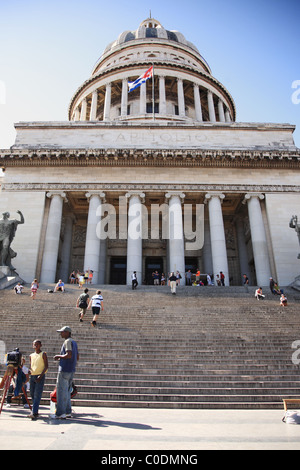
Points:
(148, 237)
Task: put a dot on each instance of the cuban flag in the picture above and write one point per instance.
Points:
(142, 79)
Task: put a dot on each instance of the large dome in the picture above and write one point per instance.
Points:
(150, 29)
(182, 88)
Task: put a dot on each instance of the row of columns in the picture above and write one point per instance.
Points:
(176, 235)
(224, 114)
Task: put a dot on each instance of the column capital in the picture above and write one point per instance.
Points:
(62, 194)
(249, 196)
(90, 194)
(171, 194)
(130, 194)
(210, 195)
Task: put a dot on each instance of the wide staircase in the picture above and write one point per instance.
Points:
(206, 347)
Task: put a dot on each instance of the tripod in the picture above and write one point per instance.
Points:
(6, 382)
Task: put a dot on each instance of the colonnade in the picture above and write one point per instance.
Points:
(176, 242)
(213, 102)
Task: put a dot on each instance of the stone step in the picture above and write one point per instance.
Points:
(154, 350)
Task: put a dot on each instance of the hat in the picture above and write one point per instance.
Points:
(64, 328)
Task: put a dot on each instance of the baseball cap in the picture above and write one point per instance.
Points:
(64, 328)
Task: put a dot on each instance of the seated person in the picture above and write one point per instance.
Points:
(60, 286)
(283, 300)
(258, 294)
(276, 289)
(19, 288)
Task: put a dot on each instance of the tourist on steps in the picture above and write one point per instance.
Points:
(96, 303)
(67, 358)
(258, 294)
(37, 369)
(82, 303)
(172, 283)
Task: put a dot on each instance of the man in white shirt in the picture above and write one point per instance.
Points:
(96, 303)
(19, 288)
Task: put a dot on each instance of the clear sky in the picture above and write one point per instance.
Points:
(49, 47)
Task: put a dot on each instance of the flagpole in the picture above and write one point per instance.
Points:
(153, 99)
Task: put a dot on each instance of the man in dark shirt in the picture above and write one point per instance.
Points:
(67, 358)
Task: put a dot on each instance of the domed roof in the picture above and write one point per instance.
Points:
(150, 28)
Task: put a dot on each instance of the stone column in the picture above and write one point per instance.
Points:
(259, 240)
(124, 99)
(243, 255)
(52, 239)
(162, 96)
(92, 244)
(217, 235)
(206, 251)
(107, 103)
(65, 268)
(176, 235)
(76, 115)
(143, 97)
(197, 99)
(83, 110)
(135, 237)
(221, 111)
(211, 106)
(181, 103)
(93, 112)
(227, 116)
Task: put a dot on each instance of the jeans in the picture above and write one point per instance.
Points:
(63, 393)
(36, 391)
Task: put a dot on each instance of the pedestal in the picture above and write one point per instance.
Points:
(8, 278)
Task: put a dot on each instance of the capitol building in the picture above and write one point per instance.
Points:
(127, 155)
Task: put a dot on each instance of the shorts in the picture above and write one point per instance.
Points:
(96, 310)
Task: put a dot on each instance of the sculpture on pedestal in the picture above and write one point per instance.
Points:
(294, 224)
(8, 228)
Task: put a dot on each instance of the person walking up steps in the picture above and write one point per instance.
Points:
(82, 303)
(96, 303)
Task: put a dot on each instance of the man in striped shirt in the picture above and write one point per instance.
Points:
(96, 303)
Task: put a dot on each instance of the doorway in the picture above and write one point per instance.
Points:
(118, 270)
(153, 264)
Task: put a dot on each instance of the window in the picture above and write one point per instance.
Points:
(149, 108)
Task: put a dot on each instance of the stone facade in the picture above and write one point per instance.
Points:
(115, 152)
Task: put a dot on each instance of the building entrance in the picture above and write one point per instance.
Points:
(153, 264)
(118, 270)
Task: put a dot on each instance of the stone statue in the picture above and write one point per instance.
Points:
(294, 224)
(8, 230)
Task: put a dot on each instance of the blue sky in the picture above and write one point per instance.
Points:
(49, 47)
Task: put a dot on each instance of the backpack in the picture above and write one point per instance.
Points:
(83, 301)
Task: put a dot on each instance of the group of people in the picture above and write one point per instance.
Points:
(275, 290)
(34, 376)
(33, 288)
(81, 278)
(191, 279)
(84, 303)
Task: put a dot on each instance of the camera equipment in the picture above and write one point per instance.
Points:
(14, 358)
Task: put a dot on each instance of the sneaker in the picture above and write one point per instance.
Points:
(33, 417)
(58, 417)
